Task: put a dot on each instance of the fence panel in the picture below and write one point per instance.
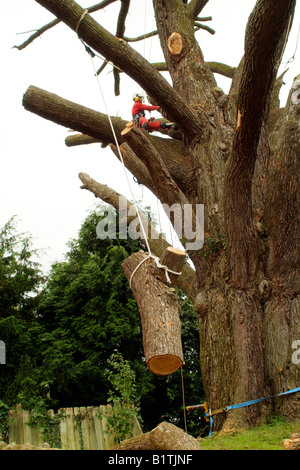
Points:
(80, 428)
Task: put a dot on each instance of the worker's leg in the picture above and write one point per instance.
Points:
(143, 123)
(154, 125)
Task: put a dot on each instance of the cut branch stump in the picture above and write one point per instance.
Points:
(165, 436)
(159, 307)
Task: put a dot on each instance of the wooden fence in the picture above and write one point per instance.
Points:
(82, 428)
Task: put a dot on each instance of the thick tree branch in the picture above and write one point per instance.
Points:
(120, 33)
(71, 115)
(164, 184)
(95, 125)
(196, 6)
(187, 281)
(127, 59)
(266, 32)
(282, 214)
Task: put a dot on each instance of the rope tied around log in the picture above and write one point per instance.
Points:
(159, 265)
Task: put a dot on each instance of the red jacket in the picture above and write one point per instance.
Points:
(138, 107)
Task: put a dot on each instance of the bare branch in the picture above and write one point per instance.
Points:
(134, 165)
(196, 6)
(203, 26)
(143, 36)
(53, 23)
(120, 33)
(215, 67)
(37, 34)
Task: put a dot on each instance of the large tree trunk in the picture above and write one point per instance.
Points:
(243, 166)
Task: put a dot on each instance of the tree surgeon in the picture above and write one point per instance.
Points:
(139, 118)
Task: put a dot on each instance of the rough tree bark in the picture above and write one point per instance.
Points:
(239, 156)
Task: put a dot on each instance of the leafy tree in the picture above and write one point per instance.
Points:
(20, 283)
(122, 398)
(88, 312)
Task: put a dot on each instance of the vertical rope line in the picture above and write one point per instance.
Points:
(115, 137)
(183, 400)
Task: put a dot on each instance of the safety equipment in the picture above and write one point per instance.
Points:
(137, 97)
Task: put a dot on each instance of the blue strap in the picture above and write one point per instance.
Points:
(211, 425)
(252, 402)
(248, 403)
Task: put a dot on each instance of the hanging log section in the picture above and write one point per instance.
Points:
(152, 282)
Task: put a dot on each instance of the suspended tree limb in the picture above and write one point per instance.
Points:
(53, 23)
(187, 281)
(165, 436)
(159, 310)
(132, 63)
(266, 32)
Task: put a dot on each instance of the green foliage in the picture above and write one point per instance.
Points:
(88, 311)
(47, 423)
(263, 437)
(122, 398)
(20, 281)
(58, 338)
(213, 246)
(4, 417)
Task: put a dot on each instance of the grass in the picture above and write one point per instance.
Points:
(264, 437)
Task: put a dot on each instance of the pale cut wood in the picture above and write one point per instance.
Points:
(174, 259)
(126, 130)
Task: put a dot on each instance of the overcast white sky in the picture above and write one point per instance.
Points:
(39, 175)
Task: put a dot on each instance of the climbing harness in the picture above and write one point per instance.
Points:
(209, 414)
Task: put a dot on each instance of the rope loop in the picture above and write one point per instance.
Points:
(158, 264)
(80, 20)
